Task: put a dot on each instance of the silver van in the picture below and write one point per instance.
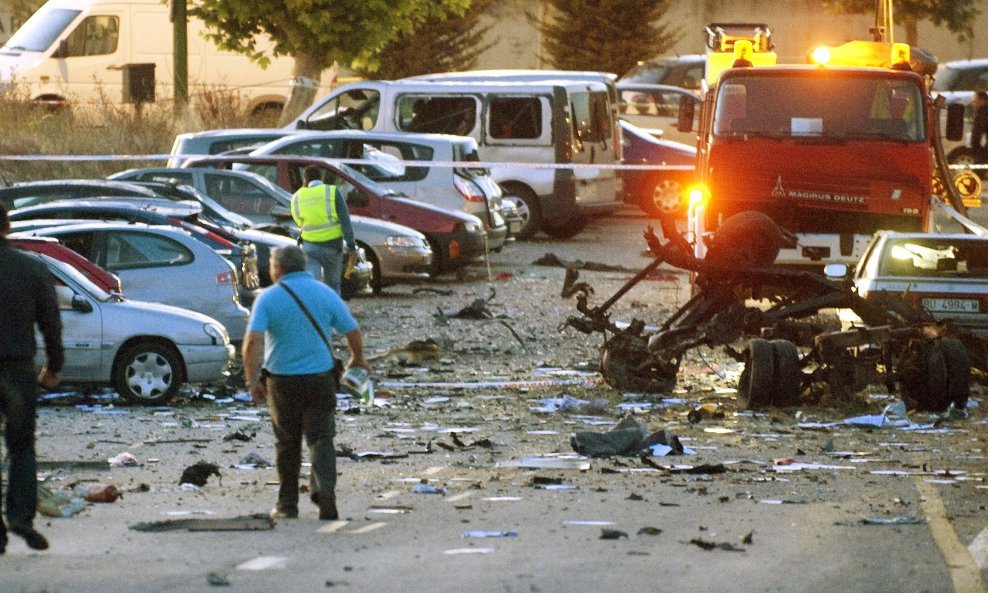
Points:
(550, 124)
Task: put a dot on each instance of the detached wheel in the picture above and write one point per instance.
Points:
(757, 382)
(923, 377)
(958, 362)
(531, 213)
(147, 373)
(967, 156)
(788, 378)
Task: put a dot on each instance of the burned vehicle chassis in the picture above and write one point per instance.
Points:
(776, 311)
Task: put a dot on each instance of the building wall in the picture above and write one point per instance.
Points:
(797, 26)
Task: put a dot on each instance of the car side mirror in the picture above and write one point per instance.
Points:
(836, 271)
(687, 111)
(356, 199)
(79, 303)
(955, 121)
(62, 51)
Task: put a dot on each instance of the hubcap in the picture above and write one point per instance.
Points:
(149, 375)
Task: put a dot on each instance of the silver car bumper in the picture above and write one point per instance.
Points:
(207, 364)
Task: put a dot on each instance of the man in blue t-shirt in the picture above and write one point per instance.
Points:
(300, 386)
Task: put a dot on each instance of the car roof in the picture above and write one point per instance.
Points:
(408, 137)
(232, 132)
(158, 205)
(934, 236)
(963, 64)
(116, 226)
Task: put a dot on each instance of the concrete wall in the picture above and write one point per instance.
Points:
(797, 25)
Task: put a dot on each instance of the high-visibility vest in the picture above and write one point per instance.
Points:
(314, 211)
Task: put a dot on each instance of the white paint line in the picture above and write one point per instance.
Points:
(979, 549)
(368, 528)
(964, 573)
(264, 563)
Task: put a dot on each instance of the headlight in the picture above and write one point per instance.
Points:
(472, 227)
(217, 333)
(399, 242)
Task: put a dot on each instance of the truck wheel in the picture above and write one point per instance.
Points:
(566, 229)
(147, 373)
(923, 377)
(958, 363)
(788, 379)
(757, 381)
(533, 222)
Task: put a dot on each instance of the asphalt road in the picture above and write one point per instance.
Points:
(754, 520)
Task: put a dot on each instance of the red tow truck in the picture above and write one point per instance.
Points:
(832, 150)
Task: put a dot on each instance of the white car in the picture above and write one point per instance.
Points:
(146, 351)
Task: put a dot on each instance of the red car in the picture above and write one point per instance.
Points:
(455, 237)
(52, 248)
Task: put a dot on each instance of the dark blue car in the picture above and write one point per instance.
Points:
(658, 192)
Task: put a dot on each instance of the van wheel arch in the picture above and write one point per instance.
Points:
(525, 194)
(49, 102)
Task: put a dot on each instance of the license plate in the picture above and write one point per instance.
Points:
(952, 305)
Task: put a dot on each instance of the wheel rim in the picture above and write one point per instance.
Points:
(667, 196)
(149, 375)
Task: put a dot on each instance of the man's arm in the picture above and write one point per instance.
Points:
(355, 342)
(343, 213)
(251, 351)
(49, 320)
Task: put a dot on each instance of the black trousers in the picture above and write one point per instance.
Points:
(303, 406)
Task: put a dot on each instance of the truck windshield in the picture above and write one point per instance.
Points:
(822, 106)
(42, 29)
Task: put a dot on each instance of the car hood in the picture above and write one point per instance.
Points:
(144, 317)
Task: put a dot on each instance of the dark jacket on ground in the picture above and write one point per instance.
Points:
(27, 296)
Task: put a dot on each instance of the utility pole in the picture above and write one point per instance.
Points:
(181, 47)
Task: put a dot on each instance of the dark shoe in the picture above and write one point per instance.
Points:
(278, 513)
(327, 508)
(34, 540)
(3, 544)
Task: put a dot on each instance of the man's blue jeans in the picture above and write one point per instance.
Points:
(325, 261)
(18, 400)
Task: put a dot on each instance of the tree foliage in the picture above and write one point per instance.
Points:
(604, 35)
(22, 9)
(436, 45)
(317, 33)
(957, 15)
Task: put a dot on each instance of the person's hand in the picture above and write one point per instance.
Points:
(49, 379)
(258, 393)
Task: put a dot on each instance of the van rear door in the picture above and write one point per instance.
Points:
(593, 142)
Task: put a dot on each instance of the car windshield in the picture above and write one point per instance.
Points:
(937, 256)
(816, 106)
(62, 270)
(42, 29)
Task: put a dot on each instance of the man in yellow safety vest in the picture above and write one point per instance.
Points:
(321, 212)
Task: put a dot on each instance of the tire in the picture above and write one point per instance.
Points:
(376, 271)
(533, 223)
(439, 258)
(147, 373)
(567, 229)
(958, 363)
(757, 381)
(788, 378)
(923, 377)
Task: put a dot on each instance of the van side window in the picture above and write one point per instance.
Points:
(515, 117)
(95, 36)
(356, 109)
(436, 115)
(591, 117)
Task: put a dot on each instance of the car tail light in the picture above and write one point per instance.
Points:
(226, 278)
(470, 191)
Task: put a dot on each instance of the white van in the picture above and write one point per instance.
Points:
(78, 51)
(558, 122)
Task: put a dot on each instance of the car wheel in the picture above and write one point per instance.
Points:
(788, 379)
(566, 229)
(531, 213)
(757, 382)
(439, 258)
(147, 372)
(666, 199)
